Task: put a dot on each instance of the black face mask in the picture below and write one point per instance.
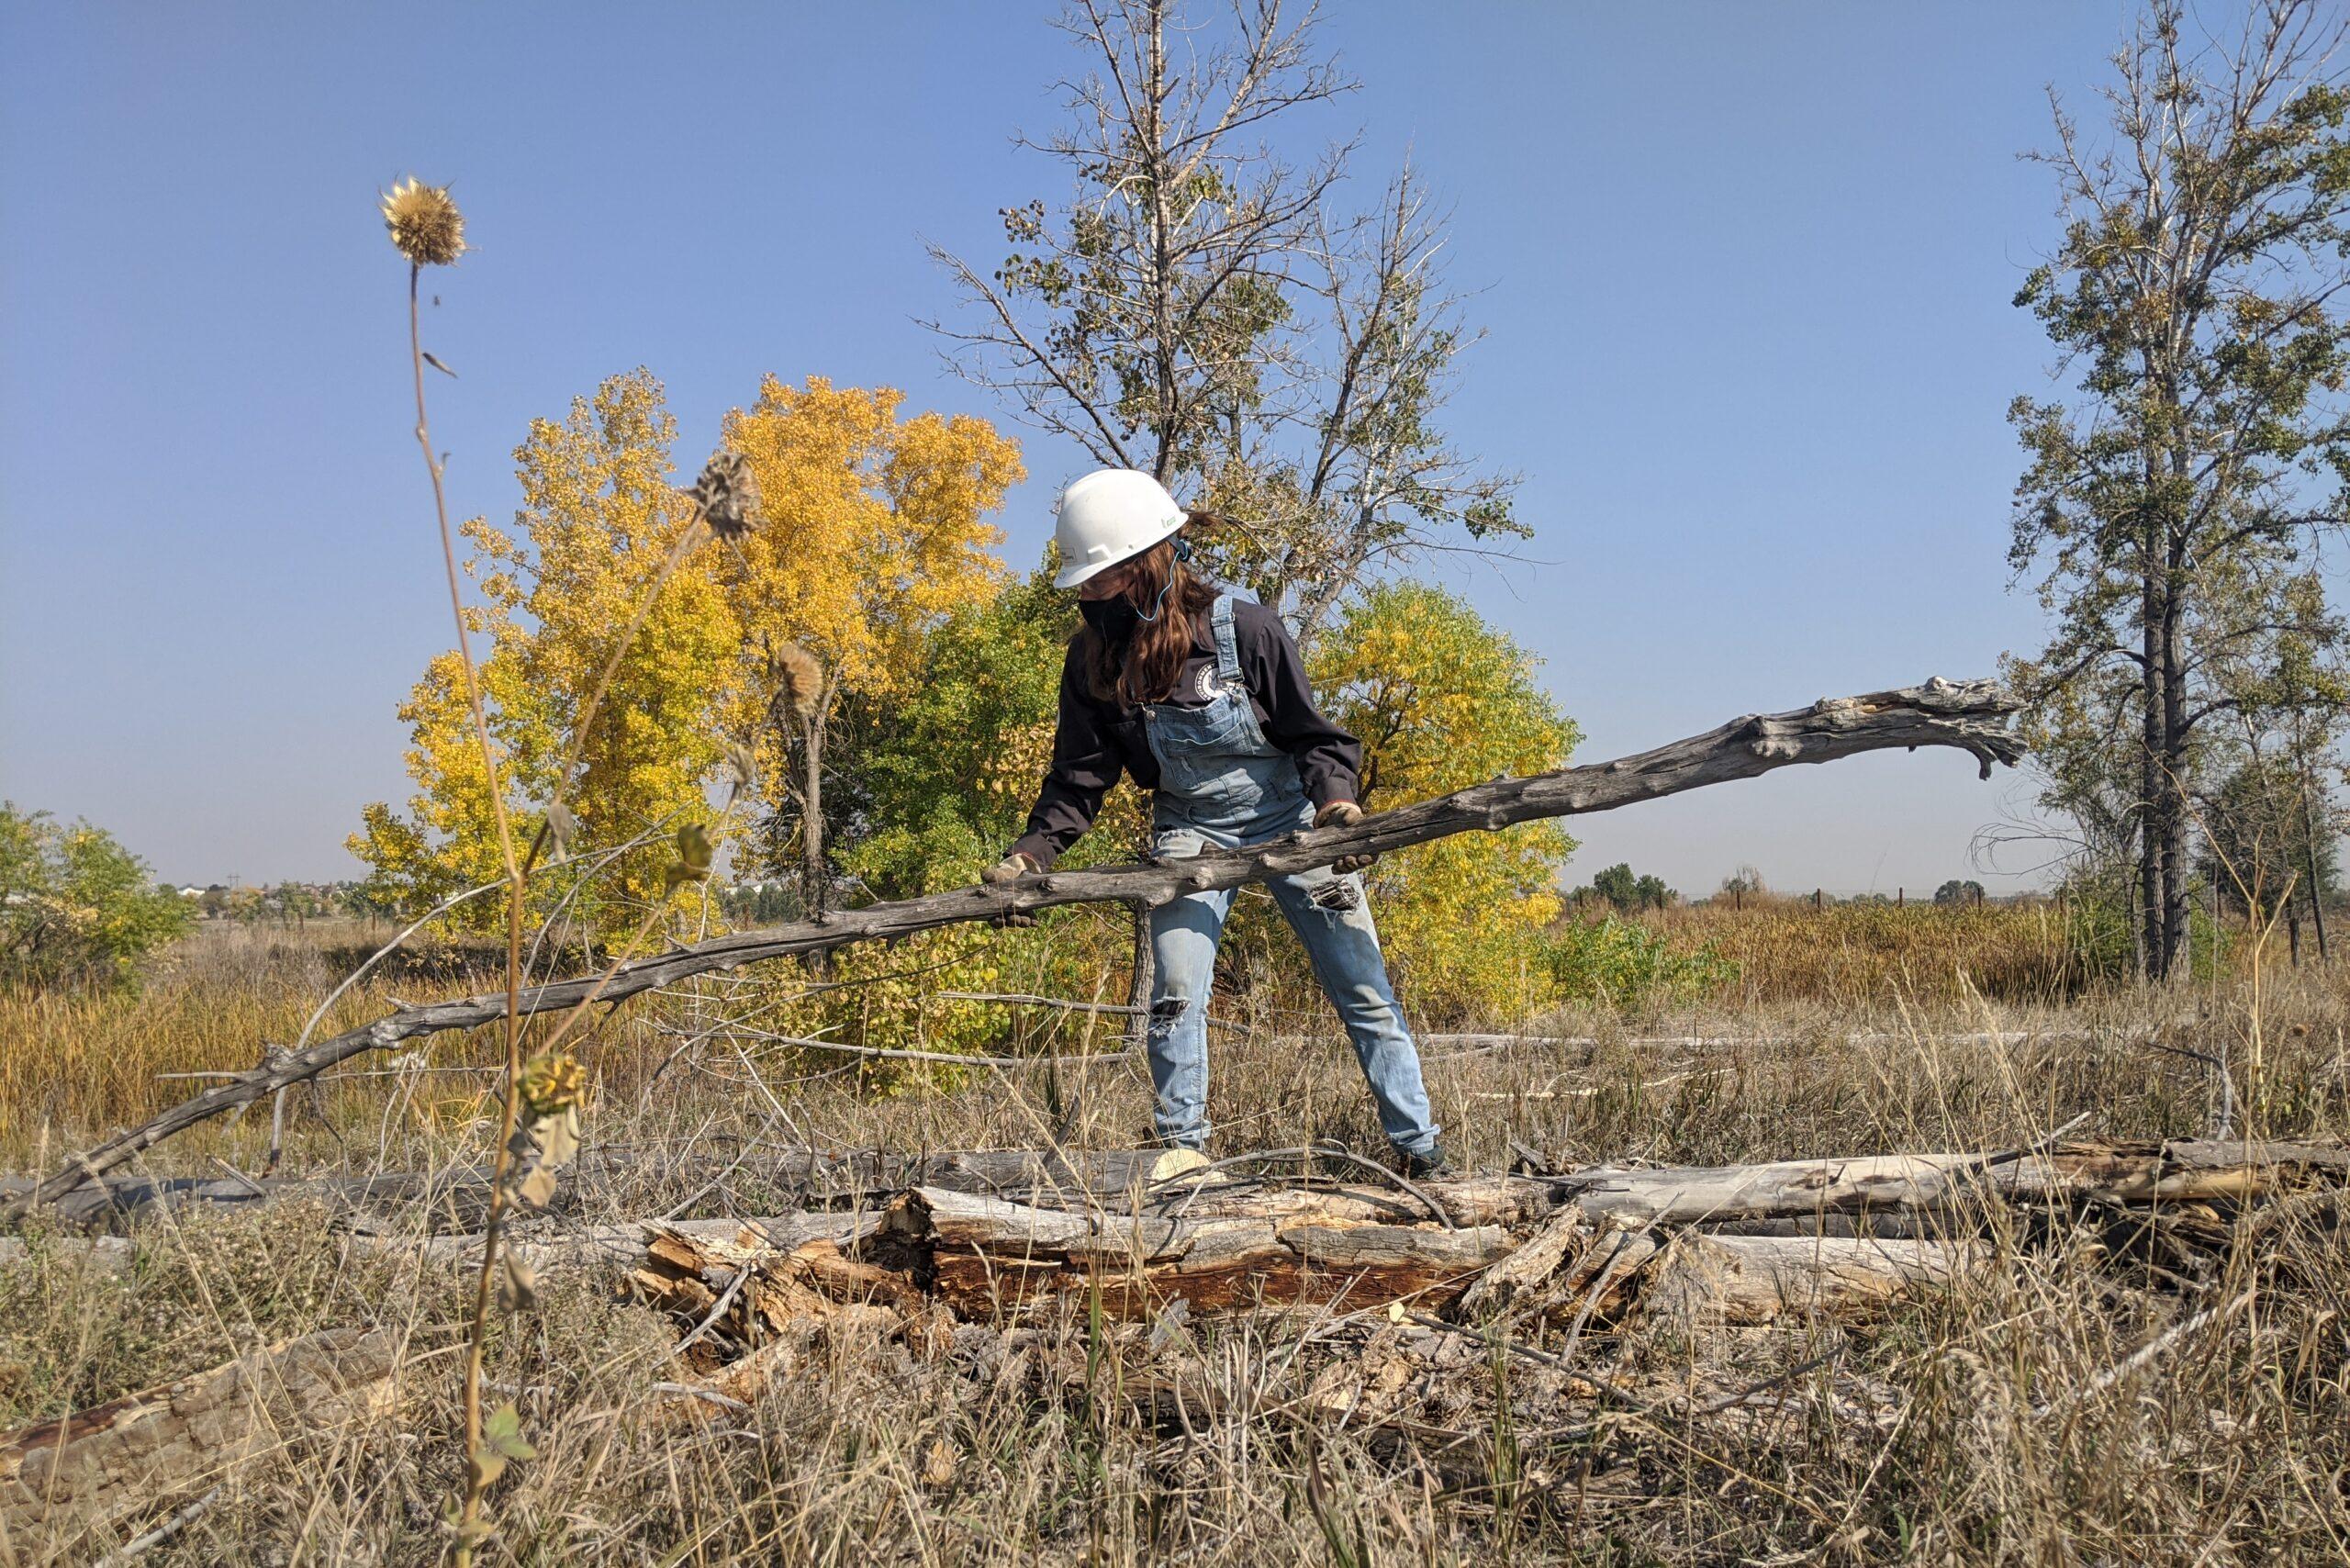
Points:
(1112, 620)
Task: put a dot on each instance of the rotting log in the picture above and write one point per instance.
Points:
(986, 1257)
(129, 1453)
(1740, 1279)
(2180, 1171)
(1971, 716)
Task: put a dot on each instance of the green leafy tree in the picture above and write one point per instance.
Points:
(2170, 508)
(2261, 846)
(1957, 891)
(956, 760)
(75, 906)
(1617, 886)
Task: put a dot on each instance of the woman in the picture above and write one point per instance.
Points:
(1202, 699)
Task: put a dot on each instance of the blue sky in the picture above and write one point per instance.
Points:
(1746, 271)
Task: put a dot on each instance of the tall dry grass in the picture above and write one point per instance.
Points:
(1845, 954)
(1988, 1425)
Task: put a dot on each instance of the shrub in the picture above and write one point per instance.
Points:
(75, 906)
(1623, 963)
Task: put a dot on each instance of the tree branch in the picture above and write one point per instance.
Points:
(1973, 716)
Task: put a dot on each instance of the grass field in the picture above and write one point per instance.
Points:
(2003, 1422)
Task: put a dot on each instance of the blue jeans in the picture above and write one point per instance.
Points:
(1332, 918)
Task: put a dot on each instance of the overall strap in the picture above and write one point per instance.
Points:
(1227, 652)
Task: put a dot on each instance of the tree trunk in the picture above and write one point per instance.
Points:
(2154, 843)
(1761, 1278)
(2175, 1171)
(2308, 854)
(814, 885)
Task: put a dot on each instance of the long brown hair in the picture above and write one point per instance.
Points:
(1144, 666)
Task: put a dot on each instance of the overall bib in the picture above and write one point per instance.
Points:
(1220, 782)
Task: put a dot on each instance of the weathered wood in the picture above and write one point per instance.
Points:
(1533, 1263)
(1760, 1279)
(988, 1256)
(2180, 1170)
(133, 1452)
(1971, 716)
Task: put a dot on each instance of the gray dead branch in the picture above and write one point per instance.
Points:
(1971, 716)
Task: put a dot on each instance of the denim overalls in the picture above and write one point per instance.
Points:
(1220, 782)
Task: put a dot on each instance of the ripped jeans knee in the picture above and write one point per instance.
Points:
(1339, 895)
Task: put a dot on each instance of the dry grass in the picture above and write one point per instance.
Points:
(1915, 1440)
(1786, 951)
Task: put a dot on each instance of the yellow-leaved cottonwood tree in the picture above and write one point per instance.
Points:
(598, 519)
(873, 530)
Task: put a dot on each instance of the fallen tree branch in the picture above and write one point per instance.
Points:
(1971, 716)
(2178, 1170)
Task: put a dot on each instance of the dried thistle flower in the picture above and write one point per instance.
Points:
(426, 226)
(726, 494)
(802, 679)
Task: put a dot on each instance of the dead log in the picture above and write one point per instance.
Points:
(986, 1257)
(1971, 716)
(1760, 1279)
(131, 1453)
(2126, 1173)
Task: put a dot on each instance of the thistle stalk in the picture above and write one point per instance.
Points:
(427, 228)
(510, 1088)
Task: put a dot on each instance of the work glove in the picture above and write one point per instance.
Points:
(1010, 868)
(1343, 813)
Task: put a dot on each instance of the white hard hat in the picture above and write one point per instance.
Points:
(1107, 516)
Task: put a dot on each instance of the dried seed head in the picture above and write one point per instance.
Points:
(426, 226)
(801, 678)
(560, 827)
(742, 766)
(553, 1083)
(726, 494)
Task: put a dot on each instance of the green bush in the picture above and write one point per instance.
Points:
(75, 906)
(1624, 964)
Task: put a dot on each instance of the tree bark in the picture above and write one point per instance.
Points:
(1971, 716)
(814, 885)
(1760, 1279)
(129, 1453)
(2179, 1170)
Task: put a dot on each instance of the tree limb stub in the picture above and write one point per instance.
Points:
(1973, 716)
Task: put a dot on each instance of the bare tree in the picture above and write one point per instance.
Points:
(1203, 309)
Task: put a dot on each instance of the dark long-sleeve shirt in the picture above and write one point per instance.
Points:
(1097, 741)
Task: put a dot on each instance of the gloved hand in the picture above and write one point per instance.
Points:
(1343, 813)
(1014, 867)
(1010, 868)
